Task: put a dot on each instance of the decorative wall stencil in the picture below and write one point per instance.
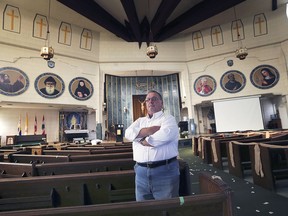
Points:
(49, 85)
(12, 19)
(260, 25)
(233, 81)
(205, 85)
(86, 39)
(197, 40)
(65, 34)
(216, 35)
(264, 76)
(40, 26)
(13, 81)
(237, 30)
(81, 88)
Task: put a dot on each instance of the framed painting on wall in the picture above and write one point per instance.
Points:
(205, 85)
(13, 81)
(49, 85)
(264, 76)
(233, 81)
(81, 88)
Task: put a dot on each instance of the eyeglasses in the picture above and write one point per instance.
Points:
(153, 99)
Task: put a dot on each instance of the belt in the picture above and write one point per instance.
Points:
(154, 164)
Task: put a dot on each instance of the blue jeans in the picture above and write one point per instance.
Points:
(157, 183)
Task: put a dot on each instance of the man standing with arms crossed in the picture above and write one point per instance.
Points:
(155, 150)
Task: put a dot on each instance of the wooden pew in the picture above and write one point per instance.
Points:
(46, 169)
(76, 189)
(71, 146)
(238, 153)
(219, 151)
(84, 167)
(27, 140)
(68, 190)
(215, 199)
(27, 158)
(101, 156)
(205, 150)
(269, 164)
(197, 142)
(61, 168)
(83, 151)
(8, 170)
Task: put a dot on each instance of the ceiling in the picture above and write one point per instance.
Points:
(148, 20)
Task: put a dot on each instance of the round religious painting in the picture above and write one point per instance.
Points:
(233, 81)
(205, 85)
(81, 88)
(49, 85)
(264, 76)
(13, 81)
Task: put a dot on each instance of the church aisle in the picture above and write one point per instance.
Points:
(248, 199)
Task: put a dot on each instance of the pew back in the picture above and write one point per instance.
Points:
(274, 165)
(216, 200)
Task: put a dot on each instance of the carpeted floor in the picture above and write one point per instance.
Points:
(248, 199)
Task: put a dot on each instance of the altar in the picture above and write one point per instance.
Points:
(76, 133)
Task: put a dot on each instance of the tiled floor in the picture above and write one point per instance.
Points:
(248, 199)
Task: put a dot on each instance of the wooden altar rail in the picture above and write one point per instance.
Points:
(215, 199)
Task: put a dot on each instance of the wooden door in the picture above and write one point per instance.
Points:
(139, 106)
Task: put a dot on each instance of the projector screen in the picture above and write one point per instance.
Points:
(238, 114)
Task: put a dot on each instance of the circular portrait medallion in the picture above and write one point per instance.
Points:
(81, 88)
(205, 85)
(233, 81)
(13, 81)
(49, 85)
(264, 76)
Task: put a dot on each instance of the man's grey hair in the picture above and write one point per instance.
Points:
(153, 91)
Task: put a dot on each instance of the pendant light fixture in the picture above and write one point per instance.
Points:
(241, 52)
(47, 52)
(152, 49)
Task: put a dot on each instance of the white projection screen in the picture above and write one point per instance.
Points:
(238, 114)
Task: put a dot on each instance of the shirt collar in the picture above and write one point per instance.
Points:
(156, 115)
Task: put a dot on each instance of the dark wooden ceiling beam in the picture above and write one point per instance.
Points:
(202, 11)
(91, 10)
(164, 11)
(130, 10)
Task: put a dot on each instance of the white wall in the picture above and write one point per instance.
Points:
(111, 55)
(269, 49)
(9, 119)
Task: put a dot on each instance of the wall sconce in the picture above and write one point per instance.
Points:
(125, 110)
